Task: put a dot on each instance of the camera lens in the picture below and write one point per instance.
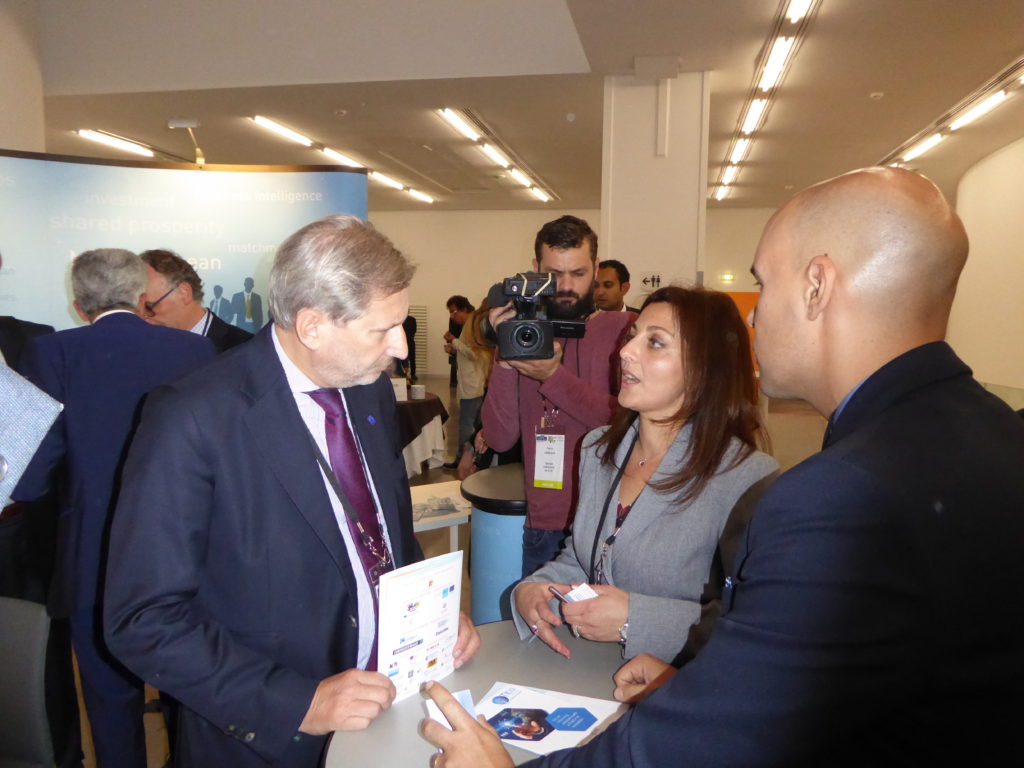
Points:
(527, 338)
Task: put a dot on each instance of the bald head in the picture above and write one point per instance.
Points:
(869, 263)
(893, 237)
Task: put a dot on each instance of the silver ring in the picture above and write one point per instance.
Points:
(533, 628)
(575, 630)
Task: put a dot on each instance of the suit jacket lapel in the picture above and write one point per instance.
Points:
(282, 438)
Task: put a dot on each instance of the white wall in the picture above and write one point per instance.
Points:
(21, 79)
(732, 237)
(987, 323)
(463, 252)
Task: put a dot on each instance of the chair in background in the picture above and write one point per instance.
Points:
(24, 729)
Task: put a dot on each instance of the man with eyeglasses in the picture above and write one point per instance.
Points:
(101, 373)
(264, 497)
(174, 297)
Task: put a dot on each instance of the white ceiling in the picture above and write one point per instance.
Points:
(363, 76)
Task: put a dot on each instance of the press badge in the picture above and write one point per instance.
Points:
(549, 460)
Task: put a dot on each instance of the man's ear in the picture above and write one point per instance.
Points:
(820, 278)
(625, 288)
(82, 314)
(536, 265)
(186, 293)
(309, 325)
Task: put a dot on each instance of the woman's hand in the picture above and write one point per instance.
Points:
(532, 599)
(599, 618)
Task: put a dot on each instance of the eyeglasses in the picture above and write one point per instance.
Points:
(151, 305)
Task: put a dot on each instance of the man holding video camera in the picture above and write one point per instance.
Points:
(552, 401)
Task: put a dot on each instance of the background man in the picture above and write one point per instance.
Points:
(174, 297)
(612, 287)
(875, 615)
(257, 609)
(459, 310)
(101, 372)
(247, 307)
(568, 394)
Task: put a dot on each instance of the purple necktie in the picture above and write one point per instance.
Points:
(348, 470)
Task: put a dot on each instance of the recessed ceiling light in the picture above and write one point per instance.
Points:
(340, 158)
(280, 130)
(739, 150)
(521, 177)
(776, 62)
(980, 109)
(116, 142)
(456, 121)
(420, 196)
(540, 194)
(797, 9)
(922, 147)
(386, 180)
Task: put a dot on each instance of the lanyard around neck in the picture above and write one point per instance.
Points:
(604, 509)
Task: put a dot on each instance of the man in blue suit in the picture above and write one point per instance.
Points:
(875, 613)
(260, 536)
(101, 373)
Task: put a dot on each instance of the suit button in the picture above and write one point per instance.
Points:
(249, 736)
(231, 729)
(352, 619)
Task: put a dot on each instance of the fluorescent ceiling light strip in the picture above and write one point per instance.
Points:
(739, 150)
(923, 147)
(754, 112)
(721, 192)
(730, 174)
(495, 155)
(521, 177)
(540, 194)
(456, 121)
(343, 159)
(797, 9)
(114, 141)
(982, 108)
(776, 62)
(420, 196)
(280, 130)
(386, 180)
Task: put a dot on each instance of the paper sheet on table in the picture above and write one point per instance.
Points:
(542, 721)
(419, 622)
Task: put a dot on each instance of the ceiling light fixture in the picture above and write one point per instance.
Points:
(456, 121)
(721, 192)
(919, 149)
(116, 141)
(340, 158)
(754, 112)
(797, 9)
(280, 130)
(472, 127)
(521, 177)
(494, 154)
(730, 174)
(739, 150)
(420, 196)
(776, 63)
(386, 180)
(982, 108)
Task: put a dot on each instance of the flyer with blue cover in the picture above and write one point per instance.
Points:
(541, 721)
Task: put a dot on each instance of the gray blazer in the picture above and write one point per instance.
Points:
(663, 553)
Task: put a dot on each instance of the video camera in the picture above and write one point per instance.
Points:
(530, 335)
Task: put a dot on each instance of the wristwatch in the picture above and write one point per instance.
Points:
(623, 636)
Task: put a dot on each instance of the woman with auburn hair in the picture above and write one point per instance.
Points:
(659, 485)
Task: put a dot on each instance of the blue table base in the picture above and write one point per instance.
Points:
(496, 564)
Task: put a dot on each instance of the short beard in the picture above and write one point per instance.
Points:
(582, 307)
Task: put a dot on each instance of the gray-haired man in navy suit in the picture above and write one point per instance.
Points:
(262, 499)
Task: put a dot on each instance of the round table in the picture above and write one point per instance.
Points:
(393, 740)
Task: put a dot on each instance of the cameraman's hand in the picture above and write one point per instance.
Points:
(541, 370)
(498, 315)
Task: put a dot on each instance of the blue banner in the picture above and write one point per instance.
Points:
(227, 222)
